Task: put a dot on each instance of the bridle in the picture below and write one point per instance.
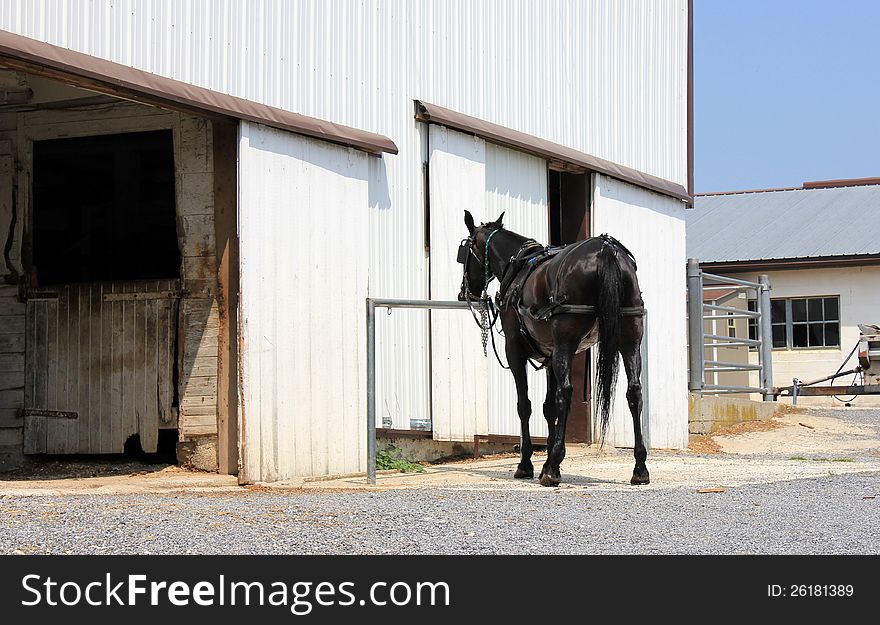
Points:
(488, 315)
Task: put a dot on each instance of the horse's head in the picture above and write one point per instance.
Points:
(472, 254)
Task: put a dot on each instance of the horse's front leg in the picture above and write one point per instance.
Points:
(516, 360)
(563, 354)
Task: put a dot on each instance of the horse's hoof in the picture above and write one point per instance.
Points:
(548, 480)
(524, 474)
(640, 477)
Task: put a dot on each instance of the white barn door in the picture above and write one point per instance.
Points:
(652, 227)
(303, 228)
(457, 182)
(516, 184)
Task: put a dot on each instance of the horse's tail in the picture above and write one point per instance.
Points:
(608, 308)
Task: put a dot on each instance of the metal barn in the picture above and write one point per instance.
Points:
(196, 198)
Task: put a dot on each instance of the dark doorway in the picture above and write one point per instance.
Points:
(104, 209)
(569, 204)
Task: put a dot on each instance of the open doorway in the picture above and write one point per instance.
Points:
(103, 297)
(568, 200)
(103, 208)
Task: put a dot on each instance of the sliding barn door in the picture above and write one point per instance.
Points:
(516, 184)
(457, 181)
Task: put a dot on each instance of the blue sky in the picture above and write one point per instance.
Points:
(785, 92)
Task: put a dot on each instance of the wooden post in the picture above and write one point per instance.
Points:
(225, 209)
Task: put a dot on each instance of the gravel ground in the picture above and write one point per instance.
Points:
(817, 516)
(830, 514)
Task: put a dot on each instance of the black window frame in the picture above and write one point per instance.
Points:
(789, 323)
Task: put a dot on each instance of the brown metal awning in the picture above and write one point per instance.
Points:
(432, 113)
(82, 70)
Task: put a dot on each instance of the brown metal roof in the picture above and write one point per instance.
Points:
(546, 149)
(847, 182)
(37, 57)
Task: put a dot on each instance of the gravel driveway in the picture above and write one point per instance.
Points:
(774, 502)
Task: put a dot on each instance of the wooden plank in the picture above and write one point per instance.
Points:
(8, 290)
(86, 421)
(197, 232)
(114, 356)
(163, 364)
(75, 378)
(12, 380)
(118, 116)
(58, 430)
(200, 387)
(34, 435)
(53, 436)
(10, 417)
(150, 433)
(10, 306)
(10, 437)
(41, 365)
(15, 362)
(12, 343)
(13, 398)
(99, 424)
(12, 324)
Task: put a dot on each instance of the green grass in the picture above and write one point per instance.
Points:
(823, 459)
(392, 458)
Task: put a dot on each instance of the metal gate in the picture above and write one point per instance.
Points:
(100, 366)
(699, 340)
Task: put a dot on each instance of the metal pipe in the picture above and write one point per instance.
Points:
(721, 337)
(766, 336)
(732, 309)
(738, 365)
(735, 343)
(725, 280)
(695, 325)
(421, 303)
(372, 305)
(371, 391)
(734, 389)
(729, 316)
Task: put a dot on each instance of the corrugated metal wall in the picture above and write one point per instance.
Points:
(607, 77)
(303, 215)
(458, 369)
(604, 76)
(652, 227)
(516, 184)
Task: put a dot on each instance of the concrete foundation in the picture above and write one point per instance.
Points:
(708, 414)
(198, 452)
(429, 450)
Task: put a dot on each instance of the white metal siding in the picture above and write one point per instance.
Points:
(458, 368)
(303, 216)
(652, 227)
(516, 184)
(607, 77)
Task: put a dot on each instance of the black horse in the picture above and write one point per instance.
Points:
(554, 303)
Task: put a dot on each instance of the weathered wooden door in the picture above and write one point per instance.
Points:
(100, 366)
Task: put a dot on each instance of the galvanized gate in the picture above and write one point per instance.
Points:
(699, 340)
(100, 366)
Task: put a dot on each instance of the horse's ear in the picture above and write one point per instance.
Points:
(500, 217)
(469, 221)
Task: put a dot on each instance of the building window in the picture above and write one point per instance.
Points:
(731, 326)
(802, 322)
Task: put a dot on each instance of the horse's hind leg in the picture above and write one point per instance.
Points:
(632, 363)
(550, 415)
(561, 363)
